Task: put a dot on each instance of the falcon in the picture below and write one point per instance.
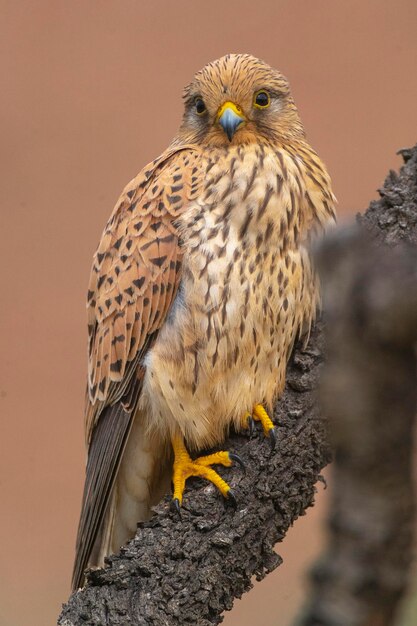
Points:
(200, 286)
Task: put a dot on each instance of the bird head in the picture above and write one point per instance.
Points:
(238, 99)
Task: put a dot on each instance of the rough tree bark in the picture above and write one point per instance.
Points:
(369, 389)
(369, 392)
(188, 571)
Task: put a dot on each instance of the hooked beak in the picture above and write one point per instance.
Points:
(230, 117)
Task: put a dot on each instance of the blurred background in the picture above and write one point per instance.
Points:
(91, 91)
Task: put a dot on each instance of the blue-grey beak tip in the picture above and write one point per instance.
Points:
(230, 122)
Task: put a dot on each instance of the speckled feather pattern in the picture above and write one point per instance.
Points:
(135, 275)
(201, 283)
(247, 290)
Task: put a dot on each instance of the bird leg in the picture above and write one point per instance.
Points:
(260, 415)
(185, 466)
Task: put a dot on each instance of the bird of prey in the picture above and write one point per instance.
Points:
(201, 284)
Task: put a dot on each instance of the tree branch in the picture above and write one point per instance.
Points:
(178, 572)
(369, 393)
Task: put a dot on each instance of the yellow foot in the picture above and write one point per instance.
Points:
(260, 415)
(185, 466)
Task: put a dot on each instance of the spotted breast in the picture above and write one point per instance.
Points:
(248, 288)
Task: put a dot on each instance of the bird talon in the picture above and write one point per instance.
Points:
(260, 415)
(251, 426)
(248, 424)
(238, 460)
(272, 434)
(175, 507)
(185, 467)
(231, 498)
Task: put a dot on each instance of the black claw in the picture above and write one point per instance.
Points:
(272, 438)
(232, 499)
(238, 460)
(175, 507)
(251, 426)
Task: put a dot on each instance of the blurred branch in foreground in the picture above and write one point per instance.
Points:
(369, 392)
(178, 572)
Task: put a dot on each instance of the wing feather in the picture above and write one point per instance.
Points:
(134, 280)
(104, 456)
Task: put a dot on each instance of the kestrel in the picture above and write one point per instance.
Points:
(201, 284)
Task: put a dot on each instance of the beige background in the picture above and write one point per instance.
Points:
(91, 91)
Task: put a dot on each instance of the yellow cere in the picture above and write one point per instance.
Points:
(230, 105)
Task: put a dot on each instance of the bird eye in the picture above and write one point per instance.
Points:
(262, 99)
(200, 107)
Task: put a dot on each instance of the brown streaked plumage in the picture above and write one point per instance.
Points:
(201, 283)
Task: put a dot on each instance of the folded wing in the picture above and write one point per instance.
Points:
(135, 276)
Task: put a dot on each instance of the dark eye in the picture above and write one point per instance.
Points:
(200, 107)
(262, 99)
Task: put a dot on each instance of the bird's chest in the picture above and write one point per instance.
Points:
(224, 345)
(242, 267)
(238, 297)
